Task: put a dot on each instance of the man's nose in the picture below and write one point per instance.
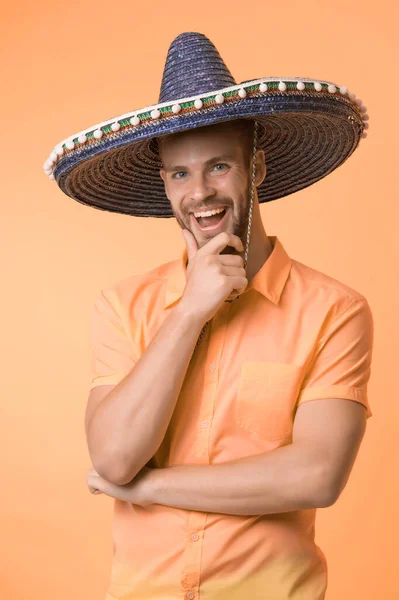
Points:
(201, 187)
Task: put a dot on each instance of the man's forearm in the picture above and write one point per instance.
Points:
(286, 479)
(130, 423)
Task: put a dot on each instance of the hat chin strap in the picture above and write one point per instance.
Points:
(255, 141)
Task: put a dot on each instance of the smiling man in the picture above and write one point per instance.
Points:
(228, 398)
(208, 170)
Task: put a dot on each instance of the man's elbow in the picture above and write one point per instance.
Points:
(122, 479)
(325, 490)
(120, 476)
(326, 497)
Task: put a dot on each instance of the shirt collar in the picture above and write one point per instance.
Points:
(269, 280)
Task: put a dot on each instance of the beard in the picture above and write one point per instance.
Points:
(240, 225)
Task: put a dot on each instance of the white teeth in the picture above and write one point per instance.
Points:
(208, 213)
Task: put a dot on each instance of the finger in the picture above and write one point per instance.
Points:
(119, 492)
(238, 284)
(232, 296)
(232, 260)
(94, 483)
(234, 271)
(219, 242)
(109, 489)
(191, 244)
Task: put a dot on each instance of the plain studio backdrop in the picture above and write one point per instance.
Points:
(67, 66)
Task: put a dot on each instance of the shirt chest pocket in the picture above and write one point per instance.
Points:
(266, 398)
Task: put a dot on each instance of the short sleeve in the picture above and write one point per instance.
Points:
(341, 366)
(112, 353)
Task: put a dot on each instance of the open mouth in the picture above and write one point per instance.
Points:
(212, 223)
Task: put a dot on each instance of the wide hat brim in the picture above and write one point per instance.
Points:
(308, 128)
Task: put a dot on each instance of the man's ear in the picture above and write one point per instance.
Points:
(260, 171)
(162, 173)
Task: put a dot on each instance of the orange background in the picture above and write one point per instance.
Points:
(66, 66)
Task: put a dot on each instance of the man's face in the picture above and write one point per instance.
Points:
(206, 168)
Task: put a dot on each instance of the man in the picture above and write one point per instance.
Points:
(229, 391)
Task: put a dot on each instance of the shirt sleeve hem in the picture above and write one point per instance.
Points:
(336, 391)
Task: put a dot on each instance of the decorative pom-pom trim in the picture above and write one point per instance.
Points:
(148, 115)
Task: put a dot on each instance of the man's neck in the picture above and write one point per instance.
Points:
(259, 251)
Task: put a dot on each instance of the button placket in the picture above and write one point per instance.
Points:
(193, 550)
(211, 380)
(191, 575)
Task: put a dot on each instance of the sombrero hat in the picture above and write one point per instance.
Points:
(307, 128)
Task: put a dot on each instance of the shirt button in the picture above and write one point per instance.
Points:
(190, 595)
(212, 366)
(204, 424)
(195, 537)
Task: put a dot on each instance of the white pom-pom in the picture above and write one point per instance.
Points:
(59, 150)
(198, 103)
(363, 135)
(53, 156)
(317, 86)
(359, 102)
(365, 125)
(351, 95)
(48, 170)
(51, 176)
(332, 89)
(281, 86)
(263, 87)
(155, 114)
(98, 134)
(363, 109)
(70, 145)
(343, 90)
(176, 108)
(135, 121)
(300, 86)
(242, 93)
(365, 117)
(115, 126)
(82, 138)
(219, 99)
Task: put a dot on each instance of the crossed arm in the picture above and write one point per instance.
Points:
(311, 472)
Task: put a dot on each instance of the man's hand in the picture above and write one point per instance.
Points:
(212, 277)
(139, 491)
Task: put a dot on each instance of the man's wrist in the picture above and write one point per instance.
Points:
(190, 315)
(155, 485)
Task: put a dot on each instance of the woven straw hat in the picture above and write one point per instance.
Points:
(307, 128)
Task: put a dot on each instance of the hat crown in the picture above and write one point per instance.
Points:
(193, 66)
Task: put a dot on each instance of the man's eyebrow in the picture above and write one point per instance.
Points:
(214, 159)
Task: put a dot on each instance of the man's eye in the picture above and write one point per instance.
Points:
(175, 175)
(220, 165)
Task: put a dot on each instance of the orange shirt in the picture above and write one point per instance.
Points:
(293, 336)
